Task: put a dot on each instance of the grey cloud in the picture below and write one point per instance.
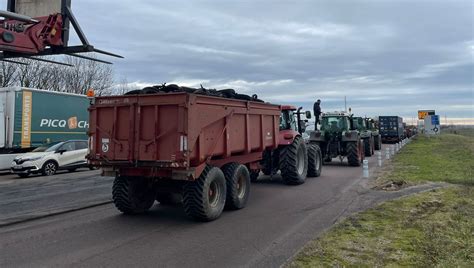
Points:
(385, 56)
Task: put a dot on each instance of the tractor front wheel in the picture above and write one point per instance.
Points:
(315, 163)
(378, 142)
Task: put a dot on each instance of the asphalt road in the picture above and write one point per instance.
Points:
(277, 222)
(37, 196)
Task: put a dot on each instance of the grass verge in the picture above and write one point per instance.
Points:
(446, 158)
(430, 229)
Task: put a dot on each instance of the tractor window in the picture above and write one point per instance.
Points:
(287, 120)
(359, 123)
(334, 123)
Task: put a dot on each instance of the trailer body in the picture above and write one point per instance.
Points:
(391, 128)
(175, 135)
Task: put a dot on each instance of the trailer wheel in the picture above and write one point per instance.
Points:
(204, 199)
(238, 185)
(315, 162)
(354, 154)
(378, 142)
(294, 162)
(132, 195)
(367, 147)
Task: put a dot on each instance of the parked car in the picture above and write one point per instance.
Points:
(47, 159)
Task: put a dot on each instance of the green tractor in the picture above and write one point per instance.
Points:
(338, 138)
(372, 126)
(360, 124)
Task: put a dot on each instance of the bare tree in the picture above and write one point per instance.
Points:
(84, 74)
(37, 74)
(122, 87)
(87, 74)
(7, 74)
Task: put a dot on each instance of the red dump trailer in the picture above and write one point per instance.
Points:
(199, 146)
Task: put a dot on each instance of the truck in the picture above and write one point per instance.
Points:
(33, 117)
(391, 129)
(166, 140)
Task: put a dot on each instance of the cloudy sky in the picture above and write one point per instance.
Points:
(387, 57)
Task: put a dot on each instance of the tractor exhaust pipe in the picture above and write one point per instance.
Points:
(18, 17)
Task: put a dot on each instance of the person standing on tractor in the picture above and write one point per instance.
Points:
(317, 113)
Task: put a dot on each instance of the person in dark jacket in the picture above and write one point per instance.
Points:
(317, 113)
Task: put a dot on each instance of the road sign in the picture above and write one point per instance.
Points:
(432, 126)
(424, 113)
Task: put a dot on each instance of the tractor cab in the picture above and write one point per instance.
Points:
(290, 119)
(359, 123)
(370, 123)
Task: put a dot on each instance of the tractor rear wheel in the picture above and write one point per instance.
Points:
(315, 163)
(367, 147)
(294, 162)
(372, 145)
(204, 198)
(133, 195)
(378, 142)
(238, 185)
(354, 153)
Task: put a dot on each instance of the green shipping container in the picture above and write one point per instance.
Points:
(31, 117)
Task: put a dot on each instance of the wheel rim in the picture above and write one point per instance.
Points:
(300, 159)
(50, 168)
(241, 186)
(214, 194)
